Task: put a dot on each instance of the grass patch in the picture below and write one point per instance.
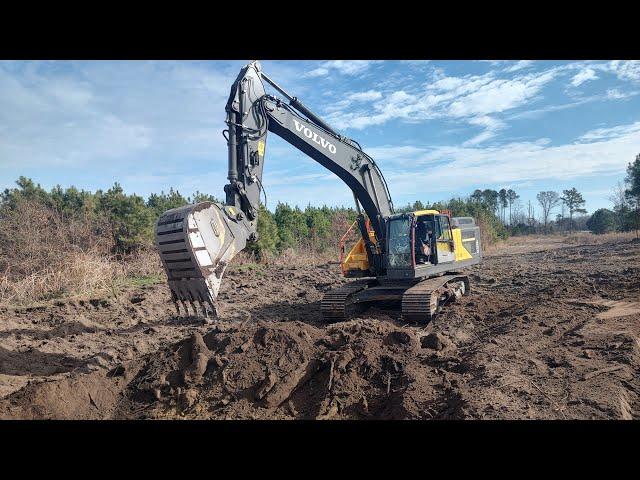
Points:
(143, 281)
(247, 267)
(137, 281)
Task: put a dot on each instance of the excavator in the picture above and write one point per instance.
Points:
(412, 259)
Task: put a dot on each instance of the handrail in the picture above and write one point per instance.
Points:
(343, 239)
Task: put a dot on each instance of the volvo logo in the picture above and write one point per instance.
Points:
(313, 136)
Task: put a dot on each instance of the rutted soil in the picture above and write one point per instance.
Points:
(547, 332)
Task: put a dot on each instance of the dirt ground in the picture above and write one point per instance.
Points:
(551, 330)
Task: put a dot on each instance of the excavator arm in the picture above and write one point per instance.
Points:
(251, 112)
(196, 242)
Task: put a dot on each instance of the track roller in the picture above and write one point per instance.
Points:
(422, 302)
(338, 303)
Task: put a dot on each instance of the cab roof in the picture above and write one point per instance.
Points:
(419, 213)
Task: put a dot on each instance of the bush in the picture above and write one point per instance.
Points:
(266, 244)
(602, 221)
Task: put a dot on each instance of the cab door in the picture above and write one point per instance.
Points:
(444, 240)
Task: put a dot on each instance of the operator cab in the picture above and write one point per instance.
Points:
(427, 242)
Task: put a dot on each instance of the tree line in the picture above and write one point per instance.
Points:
(624, 217)
(128, 219)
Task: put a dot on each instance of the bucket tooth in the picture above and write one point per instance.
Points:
(214, 309)
(185, 308)
(174, 299)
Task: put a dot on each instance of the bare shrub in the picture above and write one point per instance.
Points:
(144, 262)
(304, 255)
(44, 253)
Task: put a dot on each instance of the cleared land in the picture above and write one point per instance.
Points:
(550, 330)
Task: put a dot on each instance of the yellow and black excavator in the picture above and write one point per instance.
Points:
(413, 258)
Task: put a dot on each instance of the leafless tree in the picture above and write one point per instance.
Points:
(531, 213)
(548, 201)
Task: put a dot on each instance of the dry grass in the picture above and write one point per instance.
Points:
(533, 243)
(579, 238)
(81, 273)
(45, 254)
(289, 257)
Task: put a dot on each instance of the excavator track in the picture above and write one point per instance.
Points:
(422, 302)
(335, 302)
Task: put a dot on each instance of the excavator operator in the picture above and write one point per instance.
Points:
(424, 233)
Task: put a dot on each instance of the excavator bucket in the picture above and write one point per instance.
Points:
(196, 243)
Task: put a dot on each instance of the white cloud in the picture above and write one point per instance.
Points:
(519, 65)
(582, 76)
(491, 128)
(500, 95)
(601, 151)
(610, 94)
(416, 63)
(626, 69)
(616, 94)
(367, 96)
(345, 67)
(475, 99)
(318, 72)
(530, 114)
(611, 132)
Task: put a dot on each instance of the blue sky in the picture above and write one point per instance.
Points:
(436, 128)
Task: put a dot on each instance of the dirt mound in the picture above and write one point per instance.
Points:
(93, 396)
(357, 369)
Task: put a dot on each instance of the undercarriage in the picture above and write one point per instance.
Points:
(419, 301)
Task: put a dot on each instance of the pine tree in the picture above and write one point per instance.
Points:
(574, 202)
(266, 244)
(502, 196)
(632, 193)
(511, 197)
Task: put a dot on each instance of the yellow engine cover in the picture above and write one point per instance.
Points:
(357, 258)
(461, 252)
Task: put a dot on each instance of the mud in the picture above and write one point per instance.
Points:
(549, 331)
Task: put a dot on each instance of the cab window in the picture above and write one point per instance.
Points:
(400, 242)
(443, 230)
